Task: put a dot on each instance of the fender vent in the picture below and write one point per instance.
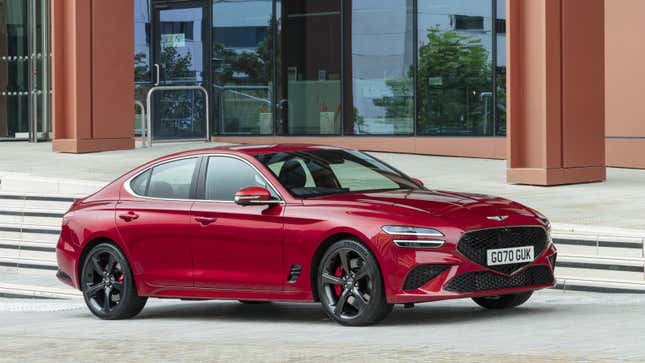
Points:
(294, 273)
(421, 275)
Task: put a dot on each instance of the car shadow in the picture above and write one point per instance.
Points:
(427, 314)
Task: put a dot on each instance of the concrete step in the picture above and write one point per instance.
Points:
(26, 183)
(35, 291)
(16, 282)
(27, 262)
(600, 285)
(27, 202)
(605, 246)
(601, 268)
(28, 232)
(29, 217)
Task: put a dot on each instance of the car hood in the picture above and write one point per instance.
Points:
(442, 204)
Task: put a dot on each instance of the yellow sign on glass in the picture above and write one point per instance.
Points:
(173, 40)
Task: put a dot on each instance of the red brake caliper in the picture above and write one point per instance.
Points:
(339, 273)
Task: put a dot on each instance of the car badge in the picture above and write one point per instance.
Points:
(497, 218)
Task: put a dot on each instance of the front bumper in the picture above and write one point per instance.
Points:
(448, 275)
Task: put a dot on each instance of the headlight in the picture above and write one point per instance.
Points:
(411, 231)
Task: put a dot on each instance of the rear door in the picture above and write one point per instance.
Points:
(153, 217)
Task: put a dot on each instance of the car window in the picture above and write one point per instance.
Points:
(225, 176)
(311, 173)
(139, 184)
(276, 167)
(354, 176)
(171, 180)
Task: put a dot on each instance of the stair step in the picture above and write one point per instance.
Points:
(35, 291)
(29, 263)
(567, 282)
(49, 220)
(626, 269)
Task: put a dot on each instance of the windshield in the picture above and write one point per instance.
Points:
(312, 173)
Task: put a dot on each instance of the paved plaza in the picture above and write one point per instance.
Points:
(554, 326)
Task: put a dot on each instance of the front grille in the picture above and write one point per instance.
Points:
(473, 245)
(421, 275)
(485, 280)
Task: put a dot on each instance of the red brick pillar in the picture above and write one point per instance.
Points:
(92, 75)
(556, 91)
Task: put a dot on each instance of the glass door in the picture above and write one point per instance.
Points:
(311, 71)
(180, 58)
(243, 66)
(25, 88)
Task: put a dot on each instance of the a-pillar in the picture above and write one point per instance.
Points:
(556, 91)
(92, 75)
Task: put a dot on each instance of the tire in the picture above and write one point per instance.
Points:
(504, 301)
(350, 285)
(108, 286)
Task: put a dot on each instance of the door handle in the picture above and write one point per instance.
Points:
(157, 73)
(128, 217)
(205, 221)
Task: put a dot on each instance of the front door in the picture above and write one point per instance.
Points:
(235, 247)
(180, 58)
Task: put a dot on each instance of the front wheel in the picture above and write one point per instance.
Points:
(350, 285)
(503, 301)
(107, 284)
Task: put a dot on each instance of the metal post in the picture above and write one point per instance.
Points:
(143, 121)
(32, 43)
(176, 88)
(45, 64)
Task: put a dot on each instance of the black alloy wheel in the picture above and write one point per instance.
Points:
(107, 284)
(350, 285)
(503, 301)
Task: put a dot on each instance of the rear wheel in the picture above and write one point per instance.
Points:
(503, 301)
(350, 285)
(107, 284)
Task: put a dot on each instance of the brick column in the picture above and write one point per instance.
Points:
(92, 75)
(556, 118)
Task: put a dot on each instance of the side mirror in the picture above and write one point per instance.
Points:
(254, 196)
(418, 181)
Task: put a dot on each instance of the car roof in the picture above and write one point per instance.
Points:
(253, 150)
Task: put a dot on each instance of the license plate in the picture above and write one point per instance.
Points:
(508, 256)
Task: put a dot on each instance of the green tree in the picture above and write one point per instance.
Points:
(400, 105)
(175, 66)
(256, 66)
(141, 69)
(454, 76)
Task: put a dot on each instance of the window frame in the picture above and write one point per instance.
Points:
(128, 187)
(200, 187)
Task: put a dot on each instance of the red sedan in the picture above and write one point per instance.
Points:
(297, 223)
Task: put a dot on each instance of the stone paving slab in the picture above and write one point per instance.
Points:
(554, 326)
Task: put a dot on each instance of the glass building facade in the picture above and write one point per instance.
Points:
(25, 87)
(324, 67)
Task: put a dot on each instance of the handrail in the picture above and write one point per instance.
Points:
(144, 128)
(175, 88)
(232, 90)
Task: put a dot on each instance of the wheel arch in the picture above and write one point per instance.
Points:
(325, 244)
